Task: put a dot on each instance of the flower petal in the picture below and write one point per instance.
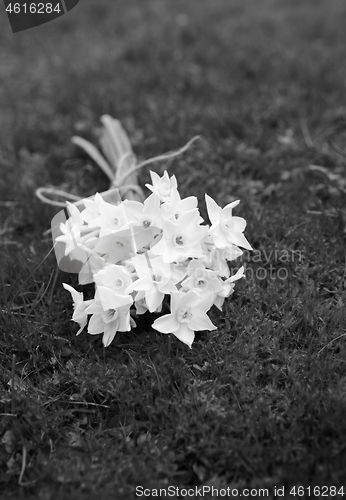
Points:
(185, 334)
(201, 321)
(96, 324)
(214, 211)
(227, 210)
(166, 324)
(239, 224)
(154, 299)
(76, 296)
(111, 300)
(144, 283)
(109, 332)
(238, 239)
(218, 236)
(94, 308)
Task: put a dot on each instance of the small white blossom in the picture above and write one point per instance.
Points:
(188, 314)
(162, 185)
(79, 305)
(226, 229)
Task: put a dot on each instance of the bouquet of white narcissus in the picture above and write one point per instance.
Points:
(137, 253)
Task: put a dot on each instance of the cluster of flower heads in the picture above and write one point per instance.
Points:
(138, 253)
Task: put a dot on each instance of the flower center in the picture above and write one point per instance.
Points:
(184, 315)
(179, 240)
(109, 315)
(165, 187)
(228, 225)
(118, 283)
(201, 284)
(146, 224)
(118, 245)
(157, 278)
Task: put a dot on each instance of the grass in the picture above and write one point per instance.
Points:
(261, 401)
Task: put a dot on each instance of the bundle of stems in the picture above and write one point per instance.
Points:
(118, 162)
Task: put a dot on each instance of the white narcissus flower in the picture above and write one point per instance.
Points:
(77, 246)
(114, 277)
(92, 210)
(79, 306)
(154, 279)
(188, 314)
(112, 218)
(175, 207)
(204, 281)
(181, 239)
(228, 287)
(71, 231)
(226, 229)
(146, 214)
(145, 220)
(162, 185)
(110, 314)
